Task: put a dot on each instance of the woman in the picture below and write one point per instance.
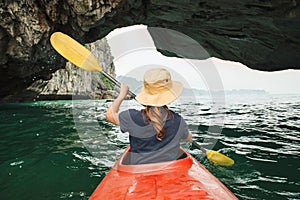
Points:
(155, 132)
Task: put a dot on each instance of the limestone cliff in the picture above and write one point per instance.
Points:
(72, 82)
(263, 35)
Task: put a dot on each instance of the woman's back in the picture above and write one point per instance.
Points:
(145, 147)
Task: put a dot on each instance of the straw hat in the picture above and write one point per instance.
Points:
(158, 89)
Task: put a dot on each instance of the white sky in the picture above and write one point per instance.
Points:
(134, 52)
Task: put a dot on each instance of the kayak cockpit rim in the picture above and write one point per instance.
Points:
(185, 161)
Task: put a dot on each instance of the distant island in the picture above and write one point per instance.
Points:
(246, 91)
(133, 83)
(199, 92)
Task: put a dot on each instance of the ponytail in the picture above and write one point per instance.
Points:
(154, 115)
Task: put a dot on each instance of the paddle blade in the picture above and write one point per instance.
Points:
(74, 52)
(218, 158)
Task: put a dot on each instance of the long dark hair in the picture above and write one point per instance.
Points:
(154, 115)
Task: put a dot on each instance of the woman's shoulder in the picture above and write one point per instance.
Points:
(130, 112)
(175, 114)
(133, 111)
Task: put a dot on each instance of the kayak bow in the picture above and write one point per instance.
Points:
(184, 179)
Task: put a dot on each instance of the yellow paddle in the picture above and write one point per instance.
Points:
(215, 157)
(78, 55)
(83, 58)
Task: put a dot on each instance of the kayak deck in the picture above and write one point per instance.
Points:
(184, 179)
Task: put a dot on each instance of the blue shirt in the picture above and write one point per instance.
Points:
(144, 147)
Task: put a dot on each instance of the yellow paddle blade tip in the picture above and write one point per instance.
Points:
(218, 158)
(74, 52)
(54, 36)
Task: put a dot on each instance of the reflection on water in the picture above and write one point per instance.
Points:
(62, 149)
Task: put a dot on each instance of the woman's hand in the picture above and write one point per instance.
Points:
(112, 112)
(123, 91)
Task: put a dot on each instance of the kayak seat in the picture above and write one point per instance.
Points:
(182, 156)
(126, 159)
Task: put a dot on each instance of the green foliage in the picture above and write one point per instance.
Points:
(107, 82)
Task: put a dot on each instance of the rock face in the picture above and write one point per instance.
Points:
(263, 35)
(72, 82)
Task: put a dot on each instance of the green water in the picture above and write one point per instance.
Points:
(46, 154)
(37, 161)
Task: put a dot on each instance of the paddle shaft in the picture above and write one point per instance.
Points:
(116, 82)
(198, 146)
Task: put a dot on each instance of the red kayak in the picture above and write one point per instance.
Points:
(184, 178)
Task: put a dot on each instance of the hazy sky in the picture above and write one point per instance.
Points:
(134, 52)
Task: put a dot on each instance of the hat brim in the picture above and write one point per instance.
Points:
(162, 98)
